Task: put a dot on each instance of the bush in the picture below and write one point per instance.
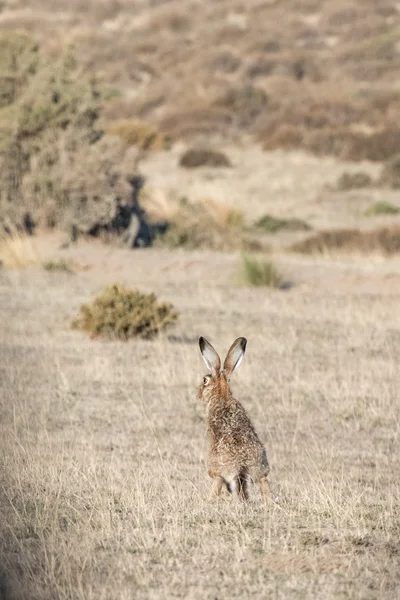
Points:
(382, 208)
(351, 181)
(55, 164)
(271, 224)
(391, 173)
(122, 314)
(203, 157)
(17, 250)
(57, 265)
(384, 239)
(261, 273)
(203, 224)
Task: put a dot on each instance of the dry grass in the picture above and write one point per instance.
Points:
(103, 489)
(258, 273)
(17, 251)
(205, 223)
(384, 239)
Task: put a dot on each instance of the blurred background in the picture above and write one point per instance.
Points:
(232, 125)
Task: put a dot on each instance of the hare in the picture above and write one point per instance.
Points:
(236, 457)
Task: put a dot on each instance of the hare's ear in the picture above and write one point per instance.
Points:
(210, 356)
(234, 356)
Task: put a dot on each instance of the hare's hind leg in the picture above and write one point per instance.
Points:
(265, 488)
(217, 486)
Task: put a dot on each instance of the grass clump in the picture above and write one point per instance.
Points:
(352, 181)
(384, 239)
(57, 265)
(382, 208)
(203, 157)
(17, 250)
(122, 314)
(140, 134)
(260, 273)
(270, 224)
(206, 223)
(391, 173)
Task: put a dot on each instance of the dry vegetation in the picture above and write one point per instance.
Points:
(103, 107)
(103, 489)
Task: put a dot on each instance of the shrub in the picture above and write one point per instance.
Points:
(260, 273)
(202, 224)
(384, 239)
(350, 181)
(391, 173)
(122, 314)
(17, 250)
(55, 163)
(382, 208)
(246, 103)
(138, 133)
(271, 224)
(203, 157)
(57, 265)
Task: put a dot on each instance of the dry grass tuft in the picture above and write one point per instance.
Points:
(17, 250)
(206, 223)
(260, 273)
(138, 133)
(61, 265)
(390, 175)
(271, 224)
(122, 314)
(385, 240)
(351, 181)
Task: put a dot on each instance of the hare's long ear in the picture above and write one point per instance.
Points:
(210, 356)
(234, 356)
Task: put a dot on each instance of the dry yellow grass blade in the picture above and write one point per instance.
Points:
(17, 251)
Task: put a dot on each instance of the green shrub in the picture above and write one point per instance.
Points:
(57, 265)
(260, 273)
(55, 163)
(271, 224)
(119, 313)
(382, 208)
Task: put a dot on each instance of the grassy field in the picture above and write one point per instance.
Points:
(104, 492)
(256, 131)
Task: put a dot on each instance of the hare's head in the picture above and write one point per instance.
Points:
(216, 382)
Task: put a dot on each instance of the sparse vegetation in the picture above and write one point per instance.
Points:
(122, 314)
(55, 164)
(203, 157)
(57, 265)
(202, 224)
(384, 239)
(17, 250)
(140, 134)
(390, 175)
(271, 224)
(351, 181)
(382, 208)
(260, 273)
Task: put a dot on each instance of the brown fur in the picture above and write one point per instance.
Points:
(236, 455)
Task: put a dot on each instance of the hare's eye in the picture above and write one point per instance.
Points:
(205, 380)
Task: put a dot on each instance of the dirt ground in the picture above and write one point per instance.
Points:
(104, 489)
